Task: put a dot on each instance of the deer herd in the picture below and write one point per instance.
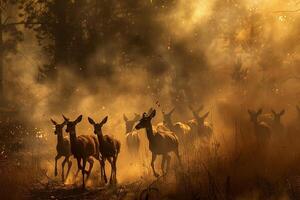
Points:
(163, 138)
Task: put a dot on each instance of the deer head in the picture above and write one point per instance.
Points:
(98, 126)
(71, 125)
(58, 127)
(277, 116)
(200, 119)
(197, 110)
(145, 121)
(130, 123)
(168, 116)
(254, 115)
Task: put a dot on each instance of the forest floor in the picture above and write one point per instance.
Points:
(56, 190)
(59, 191)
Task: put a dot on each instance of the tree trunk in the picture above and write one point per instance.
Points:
(1, 58)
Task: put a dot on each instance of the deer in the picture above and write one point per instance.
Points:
(83, 147)
(277, 126)
(200, 127)
(182, 130)
(262, 129)
(132, 137)
(160, 142)
(63, 149)
(108, 147)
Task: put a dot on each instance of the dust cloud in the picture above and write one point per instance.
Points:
(227, 55)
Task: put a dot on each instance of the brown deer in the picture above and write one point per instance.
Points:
(132, 137)
(277, 126)
(261, 129)
(63, 149)
(83, 147)
(108, 147)
(182, 130)
(200, 127)
(160, 143)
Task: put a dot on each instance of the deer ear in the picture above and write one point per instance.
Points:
(250, 112)
(274, 113)
(137, 116)
(104, 120)
(54, 122)
(64, 123)
(206, 114)
(91, 121)
(79, 118)
(125, 118)
(259, 111)
(149, 111)
(65, 118)
(152, 114)
(282, 112)
(172, 111)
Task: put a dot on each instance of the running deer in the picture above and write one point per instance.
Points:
(63, 149)
(261, 128)
(108, 147)
(132, 137)
(199, 126)
(181, 129)
(277, 126)
(83, 147)
(160, 142)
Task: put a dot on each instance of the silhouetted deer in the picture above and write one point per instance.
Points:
(109, 148)
(160, 143)
(277, 126)
(182, 130)
(63, 149)
(132, 137)
(199, 126)
(83, 147)
(261, 129)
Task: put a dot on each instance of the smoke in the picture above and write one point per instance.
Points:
(186, 54)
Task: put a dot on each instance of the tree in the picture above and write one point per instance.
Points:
(9, 36)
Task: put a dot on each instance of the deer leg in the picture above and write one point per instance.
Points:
(102, 162)
(91, 162)
(178, 157)
(168, 159)
(115, 168)
(102, 169)
(56, 158)
(78, 166)
(83, 171)
(163, 163)
(152, 164)
(69, 166)
(63, 169)
(111, 171)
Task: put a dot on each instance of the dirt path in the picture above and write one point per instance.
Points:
(58, 191)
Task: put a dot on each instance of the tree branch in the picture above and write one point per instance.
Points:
(23, 23)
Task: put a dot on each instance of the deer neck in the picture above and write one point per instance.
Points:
(149, 132)
(60, 138)
(170, 124)
(129, 126)
(73, 141)
(100, 137)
